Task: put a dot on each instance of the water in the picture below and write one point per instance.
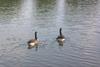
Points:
(79, 19)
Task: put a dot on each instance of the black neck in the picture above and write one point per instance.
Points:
(60, 31)
(36, 35)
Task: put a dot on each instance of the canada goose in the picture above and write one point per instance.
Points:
(33, 42)
(60, 38)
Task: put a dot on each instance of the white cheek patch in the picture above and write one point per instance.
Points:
(32, 44)
(61, 39)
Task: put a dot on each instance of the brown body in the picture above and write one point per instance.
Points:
(33, 42)
(60, 38)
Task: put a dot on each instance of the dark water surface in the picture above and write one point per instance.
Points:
(80, 20)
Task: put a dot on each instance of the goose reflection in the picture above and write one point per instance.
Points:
(33, 42)
(61, 43)
(60, 39)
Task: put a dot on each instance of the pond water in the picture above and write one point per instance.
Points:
(79, 19)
